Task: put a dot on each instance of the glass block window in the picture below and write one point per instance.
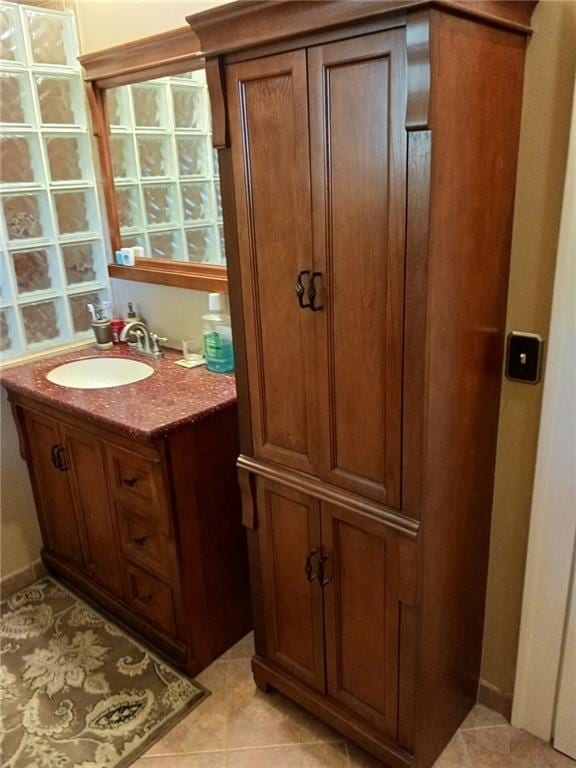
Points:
(165, 172)
(52, 255)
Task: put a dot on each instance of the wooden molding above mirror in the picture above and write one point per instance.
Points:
(168, 54)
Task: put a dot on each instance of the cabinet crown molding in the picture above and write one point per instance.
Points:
(250, 23)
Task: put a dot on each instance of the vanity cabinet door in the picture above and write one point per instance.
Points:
(93, 507)
(290, 549)
(50, 471)
(357, 94)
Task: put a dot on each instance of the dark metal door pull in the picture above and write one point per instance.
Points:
(312, 292)
(300, 290)
(311, 567)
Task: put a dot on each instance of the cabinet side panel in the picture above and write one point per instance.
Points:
(476, 93)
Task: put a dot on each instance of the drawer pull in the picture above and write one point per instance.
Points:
(129, 481)
(144, 599)
(140, 541)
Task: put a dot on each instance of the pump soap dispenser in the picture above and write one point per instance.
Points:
(217, 334)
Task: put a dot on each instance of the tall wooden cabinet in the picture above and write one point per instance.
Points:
(368, 155)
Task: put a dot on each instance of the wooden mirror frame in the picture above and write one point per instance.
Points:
(169, 53)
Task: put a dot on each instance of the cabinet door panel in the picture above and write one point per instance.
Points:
(269, 140)
(289, 531)
(358, 149)
(56, 503)
(361, 610)
(89, 483)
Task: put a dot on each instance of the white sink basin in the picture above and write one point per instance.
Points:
(99, 373)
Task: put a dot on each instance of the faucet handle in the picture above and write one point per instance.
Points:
(156, 341)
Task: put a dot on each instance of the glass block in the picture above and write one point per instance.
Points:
(78, 309)
(75, 211)
(167, 245)
(129, 241)
(149, 105)
(117, 107)
(129, 208)
(15, 98)
(82, 262)
(49, 38)
(67, 157)
(222, 244)
(42, 321)
(122, 154)
(218, 194)
(160, 204)
(189, 104)
(192, 155)
(11, 48)
(154, 154)
(60, 100)
(20, 159)
(35, 270)
(197, 203)
(215, 163)
(26, 215)
(5, 287)
(202, 245)
(9, 337)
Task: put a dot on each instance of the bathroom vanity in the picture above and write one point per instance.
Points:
(137, 499)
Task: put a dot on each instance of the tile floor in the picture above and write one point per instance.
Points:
(241, 727)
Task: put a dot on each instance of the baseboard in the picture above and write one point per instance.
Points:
(22, 578)
(493, 698)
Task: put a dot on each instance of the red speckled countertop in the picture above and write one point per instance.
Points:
(172, 397)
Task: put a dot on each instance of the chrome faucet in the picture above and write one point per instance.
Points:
(147, 343)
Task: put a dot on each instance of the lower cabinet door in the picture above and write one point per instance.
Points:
(51, 472)
(89, 484)
(361, 605)
(290, 557)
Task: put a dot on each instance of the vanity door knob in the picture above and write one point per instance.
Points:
(129, 481)
(144, 599)
(140, 541)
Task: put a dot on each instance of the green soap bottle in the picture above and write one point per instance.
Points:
(217, 334)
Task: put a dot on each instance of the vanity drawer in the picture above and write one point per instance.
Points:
(151, 598)
(139, 482)
(142, 542)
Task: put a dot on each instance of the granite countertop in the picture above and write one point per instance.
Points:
(171, 398)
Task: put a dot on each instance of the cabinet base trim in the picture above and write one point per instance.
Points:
(331, 713)
(319, 490)
(175, 652)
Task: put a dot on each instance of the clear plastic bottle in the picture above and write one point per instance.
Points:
(217, 335)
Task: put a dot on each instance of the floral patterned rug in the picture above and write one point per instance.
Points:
(76, 691)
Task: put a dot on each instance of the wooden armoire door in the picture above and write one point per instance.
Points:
(88, 478)
(268, 106)
(362, 609)
(358, 149)
(290, 552)
(54, 496)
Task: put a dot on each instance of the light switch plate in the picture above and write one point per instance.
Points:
(524, 357)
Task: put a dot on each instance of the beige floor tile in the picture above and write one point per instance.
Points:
(482, 717)
(203, 760)
(257, 719)
(244, 649)
(301, 756)
(508, 747)
(205, 727)
(455, 755)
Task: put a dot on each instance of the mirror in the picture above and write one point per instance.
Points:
(151, 118)
(165, 172)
